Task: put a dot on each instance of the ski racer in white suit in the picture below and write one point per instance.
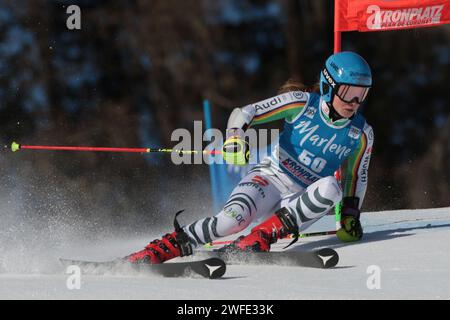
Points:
(295, 186)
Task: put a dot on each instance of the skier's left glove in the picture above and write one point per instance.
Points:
(351, 229)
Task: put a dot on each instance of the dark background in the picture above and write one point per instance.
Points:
(137, 70)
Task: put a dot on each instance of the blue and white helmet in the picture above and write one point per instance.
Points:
(347, 75)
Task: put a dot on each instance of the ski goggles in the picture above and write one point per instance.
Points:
(350, 94)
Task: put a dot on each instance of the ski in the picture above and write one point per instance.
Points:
(323, 258)
(212, 267)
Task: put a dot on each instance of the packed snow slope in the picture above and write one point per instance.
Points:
(409, 248)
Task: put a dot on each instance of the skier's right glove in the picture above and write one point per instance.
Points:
(235, 150)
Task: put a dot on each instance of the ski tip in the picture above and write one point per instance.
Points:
(328, 257)
(215, 267)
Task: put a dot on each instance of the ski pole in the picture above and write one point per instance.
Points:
(338, 207)
(16, 147)
(302, 235)
(317, 234)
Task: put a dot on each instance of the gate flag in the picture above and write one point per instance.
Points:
(381, 15)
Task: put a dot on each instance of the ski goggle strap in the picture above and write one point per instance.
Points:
(350, 94)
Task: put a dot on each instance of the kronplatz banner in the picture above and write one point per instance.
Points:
(380, 15)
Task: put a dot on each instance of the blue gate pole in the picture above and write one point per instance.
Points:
(212, 167)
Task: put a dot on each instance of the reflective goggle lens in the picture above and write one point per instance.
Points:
(350, 94)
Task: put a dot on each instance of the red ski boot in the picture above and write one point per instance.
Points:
(263, 235)
(170, 246)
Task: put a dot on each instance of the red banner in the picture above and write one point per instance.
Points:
(380, 15)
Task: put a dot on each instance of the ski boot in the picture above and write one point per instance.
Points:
(170, 246)
(278, 226)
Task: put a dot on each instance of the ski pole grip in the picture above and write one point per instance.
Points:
(15, 147)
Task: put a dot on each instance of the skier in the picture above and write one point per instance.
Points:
(296, 185)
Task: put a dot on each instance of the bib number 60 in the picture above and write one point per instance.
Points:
(316, 164)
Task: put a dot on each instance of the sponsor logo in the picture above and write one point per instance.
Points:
(267, 104)
(298, 95)
(360, 77)
(325, 109)
(255, 185)
(359, 74)
(310, 112)
(299, 171)
(329, 78)
(354, 132)
(325, 259)
(364, 169)
(408, 17)
(335, 67)
(371, 135)
(229, 212)
(232, 148)
(212, 269)
(260, 181)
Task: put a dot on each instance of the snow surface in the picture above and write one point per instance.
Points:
(411, 248)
